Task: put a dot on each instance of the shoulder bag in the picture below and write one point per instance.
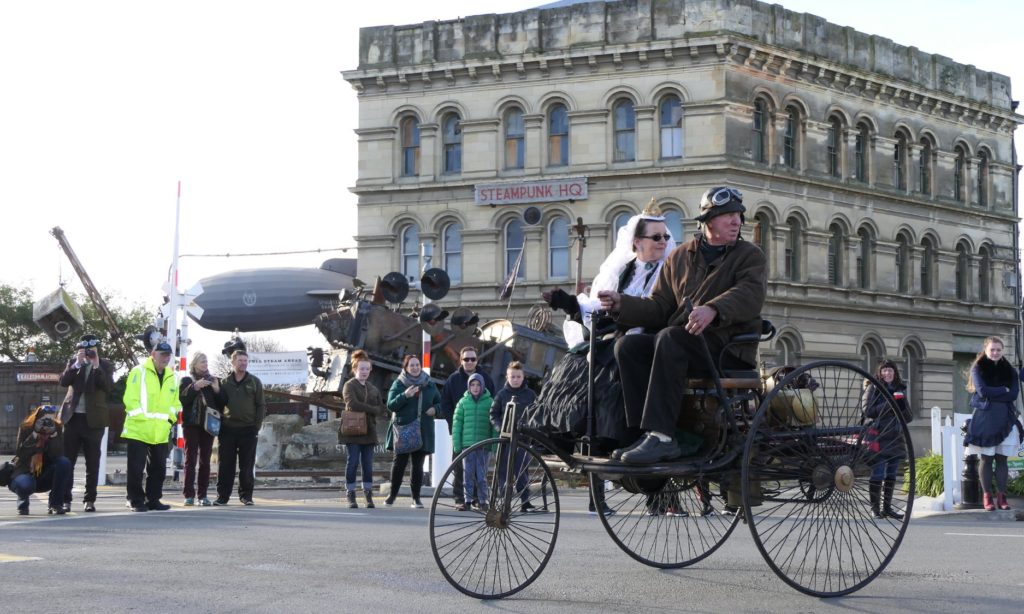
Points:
(353, 423)
(211, 421)
(407, 437)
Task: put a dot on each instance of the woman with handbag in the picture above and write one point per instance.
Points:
(358, 429)
(993, 432)
(198, 391)
(413, 401)
(884, 437)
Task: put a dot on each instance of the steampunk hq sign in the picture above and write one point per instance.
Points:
(552, 190)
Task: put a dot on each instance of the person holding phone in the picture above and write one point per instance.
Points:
(884, 437)
(197, 391)
(85, 415)
(412, 396)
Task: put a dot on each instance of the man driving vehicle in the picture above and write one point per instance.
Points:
(725, 277)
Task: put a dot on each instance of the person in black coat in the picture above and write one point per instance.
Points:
(454, 388)
(993, 432)
(515, 387)
(884, 437)
(85, 415)
(39, 461)
(197, 391)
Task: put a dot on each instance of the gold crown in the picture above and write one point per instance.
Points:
(652, 209)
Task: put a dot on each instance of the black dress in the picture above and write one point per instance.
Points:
(561, 408)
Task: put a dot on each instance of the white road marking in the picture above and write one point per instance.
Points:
(983, 535)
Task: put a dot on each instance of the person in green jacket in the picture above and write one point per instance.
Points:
(412, 396)
(151, 407)
(472, 424)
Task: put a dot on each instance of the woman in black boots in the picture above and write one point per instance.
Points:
(361, 396)
(884, 437)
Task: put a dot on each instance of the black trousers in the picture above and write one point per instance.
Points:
(151, 458)
(398, 472)
(239, 444)
(654, 371)
(78, 437)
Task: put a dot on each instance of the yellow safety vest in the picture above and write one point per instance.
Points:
(151, 406)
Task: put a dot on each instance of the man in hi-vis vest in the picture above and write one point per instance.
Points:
(151, 407)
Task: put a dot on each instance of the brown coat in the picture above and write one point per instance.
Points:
(735, 285)
(366, 399)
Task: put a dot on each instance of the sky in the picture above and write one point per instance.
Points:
(106, 106)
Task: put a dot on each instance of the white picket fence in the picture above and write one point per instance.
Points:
(948, 440)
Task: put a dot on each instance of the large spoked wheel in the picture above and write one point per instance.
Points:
(664, 522)
(815, 470)
(499, 549)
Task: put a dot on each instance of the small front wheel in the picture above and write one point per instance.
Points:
(499, 546)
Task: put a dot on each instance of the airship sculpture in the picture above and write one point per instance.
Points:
(255, 300)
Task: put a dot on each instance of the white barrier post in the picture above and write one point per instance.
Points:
(936, 430)
(103, 459)
(951, 486)
(442, 452)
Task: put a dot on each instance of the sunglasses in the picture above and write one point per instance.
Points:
(722, 196)
(469, 359)
(658, 237)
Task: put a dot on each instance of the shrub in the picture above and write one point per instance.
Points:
(1015, 486)
(928, 474)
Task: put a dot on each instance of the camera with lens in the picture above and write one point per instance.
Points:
(90, 353)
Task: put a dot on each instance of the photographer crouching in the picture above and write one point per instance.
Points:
(39, 463)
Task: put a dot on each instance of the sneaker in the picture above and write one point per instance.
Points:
(138, 508)
(218, 501)
(190, 501)
(204, 502)
(157, 506)
(88, 506)
(389, 501)
(58, 510)
(416, 505)
(461, 507)
(66, 507)
(247, 502)
(527, 507)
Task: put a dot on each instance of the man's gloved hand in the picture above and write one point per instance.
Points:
(558, 299)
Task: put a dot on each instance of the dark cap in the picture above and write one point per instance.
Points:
(163, 348)
(720, 200)
(87, 341)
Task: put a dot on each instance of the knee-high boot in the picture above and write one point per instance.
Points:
(887, 510)
(875, 491)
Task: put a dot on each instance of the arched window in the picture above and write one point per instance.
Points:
(671, 122)
(982, 179)
(674, 223)
(558, 135)
(558, 248)
(903, 264)
(410, 147)
(836, 249)
(451, 246)
(864, 258)
(786, 349)
(624, 125)
(515, 139)
(411, 252)
(620, 220)
(924, 168)
(927, 266)
(911, 372)
(759, 136)
(835, 139)
(793, 245)
(791, 141)
(872, 353)
(861, 152)
(899, 162)
(959, 174)
(762, 233)
(963, 267)
(984, 274)
(452, 140)
(514, 241)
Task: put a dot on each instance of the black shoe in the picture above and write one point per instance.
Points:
(369, 499)
(651, 450)
(246, 501)
(617, 453)
(527, 507)
(218, 501)
(352, 505)
(57, 510)
(88, 506)
(23, 511)
(67, 507)
(138, 508)
(158, 506)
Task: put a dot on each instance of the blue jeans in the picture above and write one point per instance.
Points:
(359, 453)
(885, 468)
(54, 479)
(475, 468)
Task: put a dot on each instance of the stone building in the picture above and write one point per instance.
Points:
(880, 179)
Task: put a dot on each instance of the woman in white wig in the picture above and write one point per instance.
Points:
(632, 268)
